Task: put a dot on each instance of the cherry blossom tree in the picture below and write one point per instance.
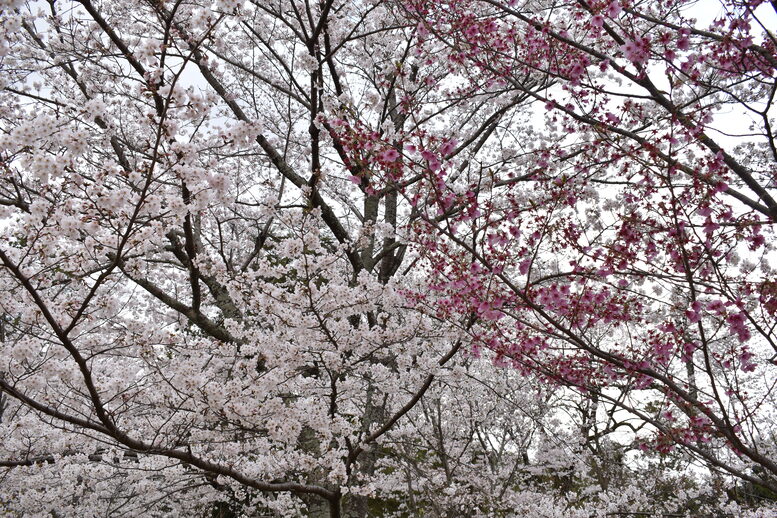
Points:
(322, 258)
(206, 308)
(627, 253)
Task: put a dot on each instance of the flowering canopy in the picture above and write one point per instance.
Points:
(359, 256)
